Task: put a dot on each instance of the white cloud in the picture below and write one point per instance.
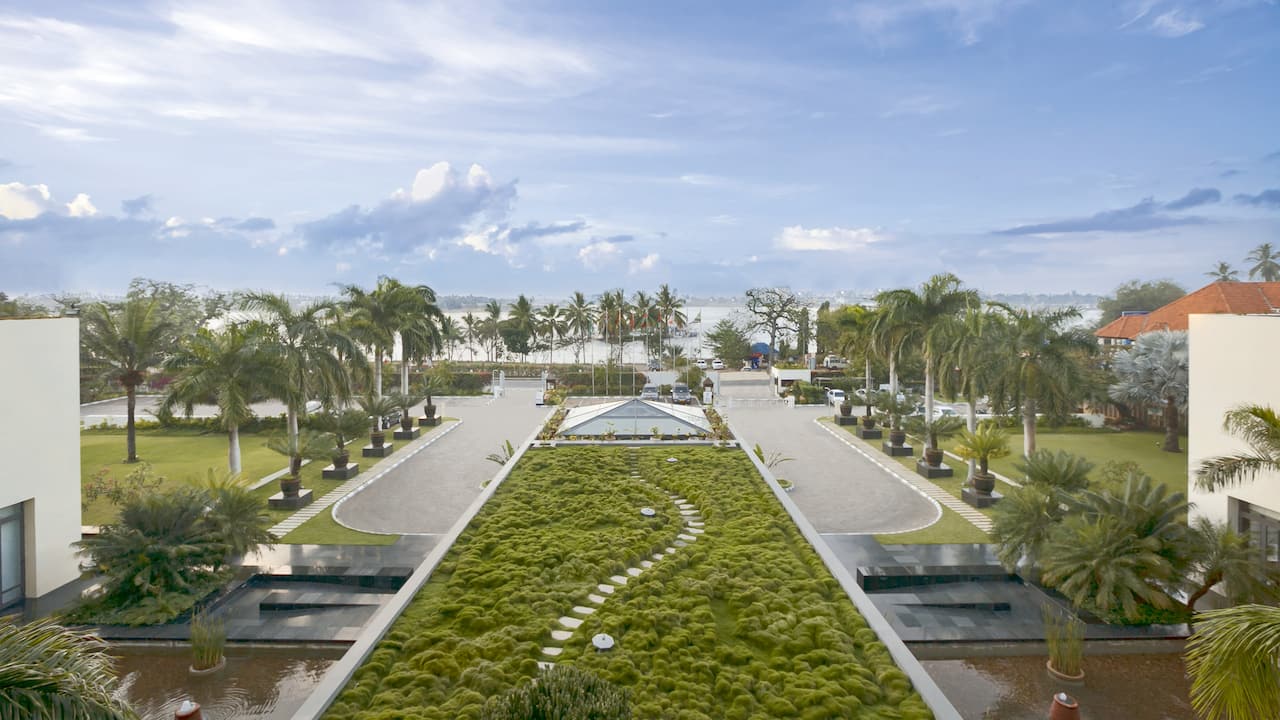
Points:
(23, 202)
(598, 254)
(81, 206)
(68, 134)
(705, 180)
(1174, 24)
(839, 239)
(644, 264)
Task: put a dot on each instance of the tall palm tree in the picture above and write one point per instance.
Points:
(311, 348)
(927, 317)
(451, 333)
(1154, 371)
(580, 315)
(49, 671)
(234, 368)
(551, 325)
(1223, 272)
(523, 316)
(670, 309)
(471, 332)
(856, 326)
(493, 316)
(421, 330)
(644, 316)
(122, 346)
(888, 334)
(1222, 556)
(1266, 263)
(1259, 427)
(1041, 368)
(392, 309)
(968, 360)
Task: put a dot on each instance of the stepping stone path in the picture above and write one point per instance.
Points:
(692, 527)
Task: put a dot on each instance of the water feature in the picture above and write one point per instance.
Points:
(257, 683)
(1133, 687)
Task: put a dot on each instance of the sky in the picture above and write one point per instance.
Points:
(544, 147)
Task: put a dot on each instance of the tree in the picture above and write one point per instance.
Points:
(1139, 295)
(1042, 365)
(927, 317)
(1061, 470)
(1154, 371)
(1022, 523)
(451, 333)
(644, 316)
(580, 317)
(969, 360)
(1101, 563)
(774, 310)
(233, 368)
(551, 325)
(521, 326)
(235, 515)
(9, 307)
(491, 325)
(854, 326)
(1222, 556)
(1265, 263)
(122, 346)
(729, 340)
(1259, 427)
(1223, 272)
(309, 445)
(988, 442)
(670, 310)
(377, 317)
(471, 332)
(1233, 658)
(49, 671)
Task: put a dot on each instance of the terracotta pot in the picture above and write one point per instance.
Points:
(340, 460)
(1059, 675)
(1064, 707)
(222, 662)
(983, 483)
(377, 438)
(897, 437)
(869, 423)
(933, 457)
(428, 411)
(846, 409)
(406, 423)
(290, 487)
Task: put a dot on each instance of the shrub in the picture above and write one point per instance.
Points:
(1064, 634)
(208, 638)
(561, 693)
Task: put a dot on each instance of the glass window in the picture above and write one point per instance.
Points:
(11, 551)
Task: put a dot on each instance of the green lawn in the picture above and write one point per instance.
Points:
(1140, 446)
(324, 530)
(950, 528)
(177, 457)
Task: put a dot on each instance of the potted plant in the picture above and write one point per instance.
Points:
(428, 413)
(935, 430)
(405, 402)
(311, 445)
(656, 432)
(1064, 634)
(896, 410)
(342, 427)
(208, 640)
(846, 407)
(376, 410)
(986, 443)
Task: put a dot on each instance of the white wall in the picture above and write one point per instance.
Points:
(1233, 361)
(40, 443)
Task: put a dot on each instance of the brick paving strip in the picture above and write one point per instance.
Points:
(382, 467)
(930, 490)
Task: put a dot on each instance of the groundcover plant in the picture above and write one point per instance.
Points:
(745, 622)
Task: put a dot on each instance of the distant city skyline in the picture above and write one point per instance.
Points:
(492, 149)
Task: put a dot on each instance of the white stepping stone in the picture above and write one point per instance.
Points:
(658, 556)
(646, 564)
(634, 572)
(596, 599)
(696, 531)
(570, 622)
(686, 536)
(606, 589)
(675, 499)
(544, 665)
(688, 512)
(618, 580)
(696, 523)
(670, 550)
(552, 651)
(686, 506)
(583, 610)
(680, 544)
(561, 635)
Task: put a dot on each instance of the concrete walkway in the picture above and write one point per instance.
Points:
(428, 492)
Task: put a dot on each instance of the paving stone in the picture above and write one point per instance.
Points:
(696, 523)
(634, 572)
(686, 506)
(544, 665)
(696, 531)
(552, 651)
(686, 536)
(561, 635)
(671, 549)
(680, 544)
(688, 512)
(618, 579)
(658, 556)
(596, 599)
(606, 589)
(570, 622)
(646, 564)
(581, 610)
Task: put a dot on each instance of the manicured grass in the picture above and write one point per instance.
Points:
(179, 457)
(1100, 446)
(744, 623)
(950, 528)
(324, 530)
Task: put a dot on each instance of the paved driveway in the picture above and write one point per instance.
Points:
(429, 492)
(839, 490)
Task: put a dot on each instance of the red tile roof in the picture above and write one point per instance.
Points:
(1220, 298)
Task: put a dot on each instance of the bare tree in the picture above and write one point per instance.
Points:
(774, 310)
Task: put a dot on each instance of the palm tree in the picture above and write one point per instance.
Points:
(1041, 368)
(551, 325)
(1022, 523)
(1154, 370)
(49, 671)
(471, 332)
(580, 315)
(311, 348)
(309, 445)
(927, 317)
(1265, 263)
(522, 316)
(1232, 659)
(1259, 427)
(1099, 562)
(493, 316)
(644, 316)
(450, 334)
(234, 368)
(969, 360)
(376, 409)
(122, 346)
(1222, 556)
(421, 331)
(392, 310)
(1223, 272)
(343, 427)
(236, 515)
(857, 339)
(670, 308)
(988, 442)
(1061, 470)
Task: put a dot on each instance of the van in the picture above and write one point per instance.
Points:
(680, 394)
(649, 392)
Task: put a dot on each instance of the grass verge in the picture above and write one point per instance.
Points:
(1101, 446)
(324, 530)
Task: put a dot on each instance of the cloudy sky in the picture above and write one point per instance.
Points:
(545, 147)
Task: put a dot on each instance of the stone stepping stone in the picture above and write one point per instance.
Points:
(696, 523)
(618, 580)
(552, 651)
(686, 506)
(544, 665)
(570, 622)
(657, 556)
(582, 610)
(606, 589)
(688, 512)
(675, 499)
(671, 549)
(686, 536)
(634, 572)
(680, 544)
(646, 564)
(561, 635)
(696, 531)
(596, 599)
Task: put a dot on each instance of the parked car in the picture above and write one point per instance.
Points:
(649, 392)
(700, 364)
(680, 394)
(835, 396)
(717, 364)
(834, 362)
(655, 365)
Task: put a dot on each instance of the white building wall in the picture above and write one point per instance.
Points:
(1233, 361)
(40, 442)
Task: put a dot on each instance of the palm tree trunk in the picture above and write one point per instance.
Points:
(404, 374)
(973, 426)
(131, 437)
(292, 413)
(1209, 582)
(377, 371)
(928, 398)
(1028, 427)
(893, 375)
(867, 400)
(1171, 426)
(233, 449)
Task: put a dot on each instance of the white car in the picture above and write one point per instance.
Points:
(835, 396)
(701, 364)
(717, 364)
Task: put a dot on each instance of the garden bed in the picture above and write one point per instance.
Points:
(745, 622)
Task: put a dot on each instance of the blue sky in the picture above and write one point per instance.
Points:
(545, 147)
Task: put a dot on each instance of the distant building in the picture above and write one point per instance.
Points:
(40, 442)
(1220, 298)
(1232, 363)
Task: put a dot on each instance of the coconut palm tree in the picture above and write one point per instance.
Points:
(856, 325)
(670, 309)
(1042, 365)
(1154, 371)
(234, 368)
(377, 317)
(580, 315)
(1266, 263)
(122, 346)
(451, 333)
(523, 317)
(49, 671)
(969, 360)
(493, 317)
(471, 332)
(1222, 556)
(1259, 427)
(1223, 272)
(1233, 658)
(644, 316)
(926, 317)
(551, 325)
(311, 347)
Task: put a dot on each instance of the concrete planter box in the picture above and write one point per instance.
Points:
(843, 420)
(897, 450)
(371, 451)
(868, 433)
(979, 500)
(429, 422)
(413, 434)
(346, 473)
(280, 502)
(929, 471)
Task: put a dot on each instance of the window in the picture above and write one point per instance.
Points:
(11, 552)
(1262, 526)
